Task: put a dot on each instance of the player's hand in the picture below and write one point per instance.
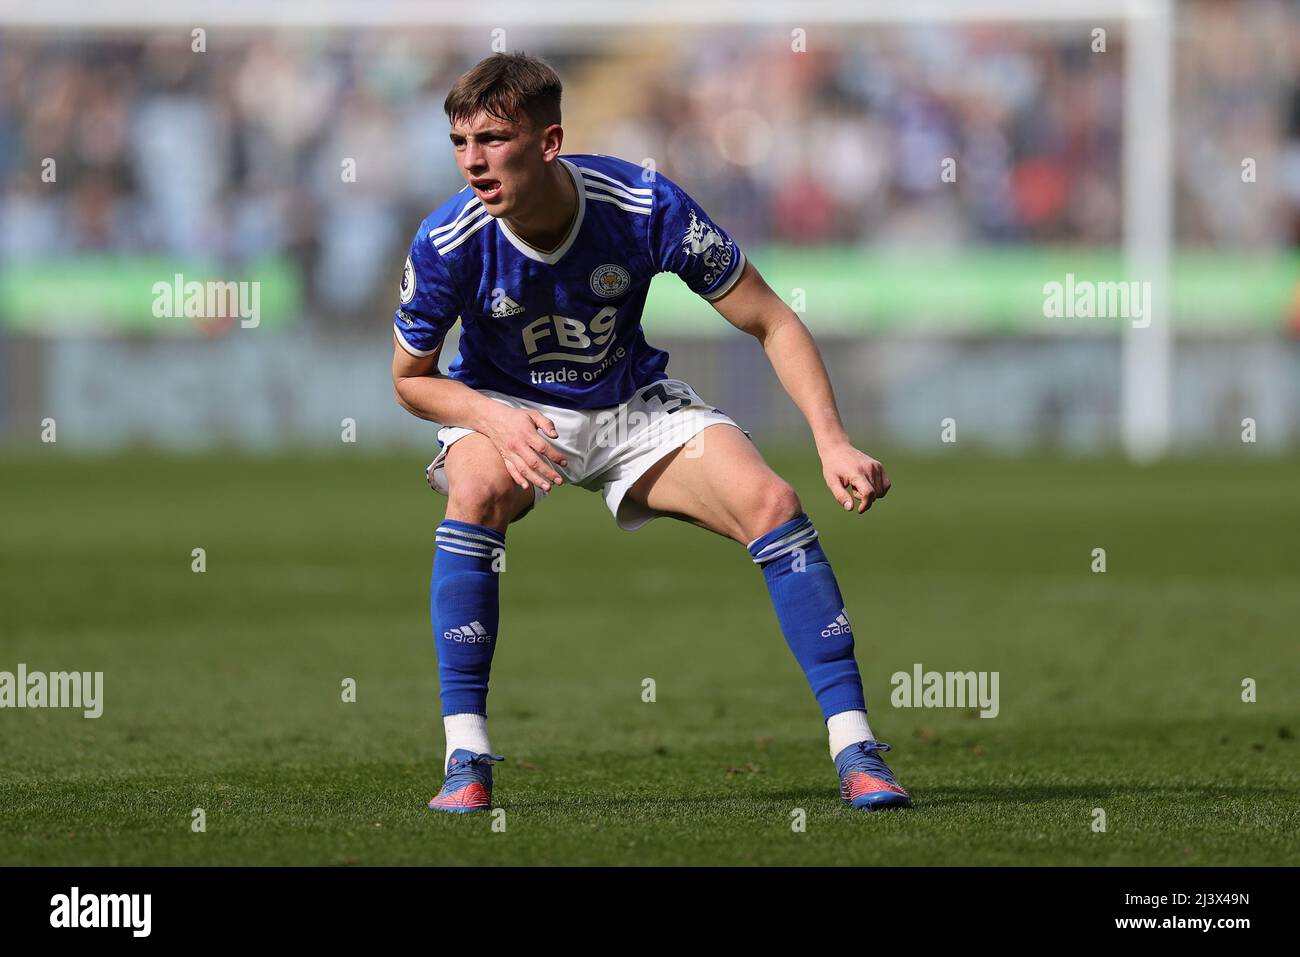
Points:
(851, 474)
(529, 458)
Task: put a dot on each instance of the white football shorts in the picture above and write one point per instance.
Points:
(609, 449)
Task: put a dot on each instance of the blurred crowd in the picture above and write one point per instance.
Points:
(248, 149)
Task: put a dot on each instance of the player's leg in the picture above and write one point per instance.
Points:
(479, 489)
(464, 605)
(719, 481)
(724, 485)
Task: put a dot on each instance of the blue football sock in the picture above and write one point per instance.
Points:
(811, 612)
(464, 604)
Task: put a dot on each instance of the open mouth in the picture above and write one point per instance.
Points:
(487, 189)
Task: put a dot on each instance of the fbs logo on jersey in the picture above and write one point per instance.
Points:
(840, 626)
(407, 289)
(473, 633)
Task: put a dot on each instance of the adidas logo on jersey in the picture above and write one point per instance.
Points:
(473, 633)
(840, 626)
(505, 306)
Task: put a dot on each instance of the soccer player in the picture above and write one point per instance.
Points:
(546, 259)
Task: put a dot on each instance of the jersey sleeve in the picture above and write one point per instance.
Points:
(685, 241)
(429, 304)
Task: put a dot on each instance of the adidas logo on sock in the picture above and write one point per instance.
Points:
(840, 626)
(473, 633)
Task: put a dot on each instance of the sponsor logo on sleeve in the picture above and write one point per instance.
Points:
(704, 240)
(407, 288)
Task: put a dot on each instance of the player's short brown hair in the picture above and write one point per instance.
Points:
(508, 86)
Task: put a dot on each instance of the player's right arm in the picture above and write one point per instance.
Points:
(429, 309)
(423, 392)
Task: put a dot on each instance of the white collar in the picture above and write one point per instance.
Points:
(554, 256)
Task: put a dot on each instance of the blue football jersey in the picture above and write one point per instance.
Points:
(560, 327)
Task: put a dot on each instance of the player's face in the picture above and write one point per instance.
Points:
(501, 160)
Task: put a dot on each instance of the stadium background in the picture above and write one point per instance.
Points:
(825, 166)
(926, 298)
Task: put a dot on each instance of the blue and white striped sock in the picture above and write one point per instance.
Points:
(811, 612)
(464, 605)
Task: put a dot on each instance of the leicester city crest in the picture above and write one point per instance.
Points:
(609, 280)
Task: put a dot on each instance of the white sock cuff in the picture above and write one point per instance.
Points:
(467, 731)
(846, 728)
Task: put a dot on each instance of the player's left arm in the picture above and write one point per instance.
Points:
(751, 306)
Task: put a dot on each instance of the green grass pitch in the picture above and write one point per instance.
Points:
(1119, 691)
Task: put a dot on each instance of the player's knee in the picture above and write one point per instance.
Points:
(485, 499)
(776, 504)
